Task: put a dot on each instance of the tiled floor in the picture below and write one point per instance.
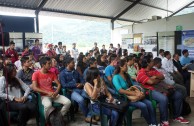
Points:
(137, 120)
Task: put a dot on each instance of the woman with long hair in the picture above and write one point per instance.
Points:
(124, 85)
(95, 87)
(11, 90)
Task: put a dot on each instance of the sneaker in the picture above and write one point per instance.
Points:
(181, 120)
(165, 123)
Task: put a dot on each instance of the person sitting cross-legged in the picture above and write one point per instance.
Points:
(42, 83)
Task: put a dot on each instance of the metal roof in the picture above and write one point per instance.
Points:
(107, 9)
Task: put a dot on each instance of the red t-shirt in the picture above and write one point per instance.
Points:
(13, 54)
(44, 81)
(143, 76)
(54, 70)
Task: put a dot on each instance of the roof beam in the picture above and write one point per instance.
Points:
(141, 3)
(181, 9)
(124, 11)
(41, 5)
(89, 15)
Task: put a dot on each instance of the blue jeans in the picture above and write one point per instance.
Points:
(147, 110)
(177, 99)
(114, 114)
(79, 96)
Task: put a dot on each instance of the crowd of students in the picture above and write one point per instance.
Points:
(98, 72)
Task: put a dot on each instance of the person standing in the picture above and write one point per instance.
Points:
(36, 50)
(74, 52)
(59, 50)
(12, 52)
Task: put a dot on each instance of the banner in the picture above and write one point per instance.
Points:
(188, 42)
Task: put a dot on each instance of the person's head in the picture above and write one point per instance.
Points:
(92, 73)
(60, 44)
(111, 45)
(161, 52)
(176, 57)
(9, 71)
(140, 55)
(82, 58)
(185, 52)
(147, 62)
(19, 56)
(55, 47)
(92, 62)
(26, 62)
(37, 42)
(95, 44)
(53, 62)
(87, 56)
(64, 48)
(7, 60)
(60, 57)
(167, 54)
(26, 48)
(50, 46)
(158, 62)
(103, 46)
(121, 67)
(70, 63)
(12, 45)
(125, 52)
(91, 53)
(130, 60)
(143, 51)
(45, 63)
(113, 60)
(74, 45)
(118, 45)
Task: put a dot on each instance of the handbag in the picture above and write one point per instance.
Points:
(136, 98)
(120, 106)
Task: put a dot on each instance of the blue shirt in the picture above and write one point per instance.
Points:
(120, 83)
(68, 79)
(109, 70)
(185, 60)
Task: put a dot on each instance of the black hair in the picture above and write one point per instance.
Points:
(157, 60)
(142, 50)
(161, 50)
(91, 61)
(139, 55)
(69, 60)
(44, 60)
(129, 58)
(26, 47)
(145, 61)
(92, 74)
(80, 58)
(135, 55)
(112, 57)
(91, 51)
(12, 43)
(59, 43)
(166, 53)
(184, 51)
(86, 54)
(37, 40)
(118, 69)
(24, 59)
(12, 81)
(175, 54)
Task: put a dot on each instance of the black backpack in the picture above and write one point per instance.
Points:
(186, 110)
(56, 118)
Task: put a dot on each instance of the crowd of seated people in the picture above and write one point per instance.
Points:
(86, 77)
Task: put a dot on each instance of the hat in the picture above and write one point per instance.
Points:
(50, 45)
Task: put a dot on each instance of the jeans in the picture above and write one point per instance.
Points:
(177, 99)
(147, 110)
(182, 89)
(25, 110)
(79, 95)
(114, 114)
(47, 103)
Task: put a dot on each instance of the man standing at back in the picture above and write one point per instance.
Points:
(12, 52)
(36, 50)
(74, 52)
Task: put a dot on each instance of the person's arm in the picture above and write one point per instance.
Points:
(19, 74)
(165, 66)
(25, 88)
(64, 83)
(58, 87)
(92, 92)
(79, 70)
(3, 95)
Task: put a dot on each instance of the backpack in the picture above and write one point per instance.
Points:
(186, 109)
(56, 118)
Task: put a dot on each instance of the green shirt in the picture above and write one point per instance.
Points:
(132, 71)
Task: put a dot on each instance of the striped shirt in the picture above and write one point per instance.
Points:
(143, 76)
